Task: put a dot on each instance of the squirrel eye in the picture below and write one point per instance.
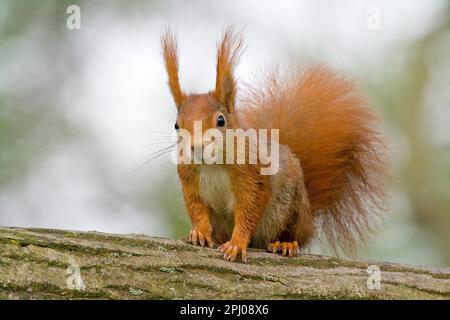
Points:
(177, 126)
(220, 121)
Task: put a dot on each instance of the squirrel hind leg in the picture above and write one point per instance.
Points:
(289, 249)
(285, 245)
(290, 243)
(302, 227)
(300, 232)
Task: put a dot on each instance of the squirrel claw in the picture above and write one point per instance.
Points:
(198, 238)
(231, 251)
(289, 249)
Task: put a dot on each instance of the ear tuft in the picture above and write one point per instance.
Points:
(228, 53)
(170, 55)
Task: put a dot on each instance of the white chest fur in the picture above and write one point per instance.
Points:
(215, 188)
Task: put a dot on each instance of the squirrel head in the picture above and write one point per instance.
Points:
(215, 109)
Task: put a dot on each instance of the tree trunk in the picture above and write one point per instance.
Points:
(55, 264)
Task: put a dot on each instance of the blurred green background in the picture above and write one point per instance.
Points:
(81, 111)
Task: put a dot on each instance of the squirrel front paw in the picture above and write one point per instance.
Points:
(232, 249)
(197, 237)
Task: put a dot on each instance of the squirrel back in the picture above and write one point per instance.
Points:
(327, 124)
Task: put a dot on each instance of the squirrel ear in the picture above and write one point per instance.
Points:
(170, 54)
(228, 53)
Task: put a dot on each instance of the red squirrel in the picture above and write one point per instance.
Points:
(332, 165)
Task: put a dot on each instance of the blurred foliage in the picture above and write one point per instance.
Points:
(30, 123)
(170, 202)
(425, 175)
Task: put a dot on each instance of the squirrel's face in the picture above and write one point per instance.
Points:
(200, 113)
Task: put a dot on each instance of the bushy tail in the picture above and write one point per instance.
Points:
(329, 126)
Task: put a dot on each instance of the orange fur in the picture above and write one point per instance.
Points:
(227, 57)
(328, 125)
(170, 55)
(334, 163)
(252, 192)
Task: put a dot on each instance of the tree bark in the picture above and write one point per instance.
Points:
(58, 264)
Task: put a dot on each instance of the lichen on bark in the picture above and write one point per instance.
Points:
(55, 264)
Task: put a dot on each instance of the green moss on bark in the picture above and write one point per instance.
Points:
(37, 263)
